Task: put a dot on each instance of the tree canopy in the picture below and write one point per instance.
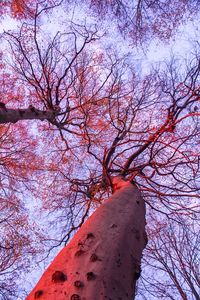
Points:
(74, 113)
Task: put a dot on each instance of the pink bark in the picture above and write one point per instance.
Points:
(103, 259)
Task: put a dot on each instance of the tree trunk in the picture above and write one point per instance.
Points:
(103, 259)
(8, 115)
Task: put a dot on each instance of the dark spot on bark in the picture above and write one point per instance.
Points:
(79, 253)
(2, 105)
(138, 202)
(94, 257)
(90, 235)
(78, 284)
(75, 297)
(80, 244)
(59, 276)
(38, 294)
(113, 226)
(31, 108)
(118, 261)
(90, 276)
(22, 112)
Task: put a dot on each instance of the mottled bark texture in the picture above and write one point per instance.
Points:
(102, 261)
(13, 115)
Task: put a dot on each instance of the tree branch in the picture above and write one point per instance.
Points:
(13, 115)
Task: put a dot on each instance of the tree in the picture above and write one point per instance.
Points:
(83, 268)
(107, 118)
(23, 9)
(143, 20)
(19, 234)
(139, 20)
(173, 251)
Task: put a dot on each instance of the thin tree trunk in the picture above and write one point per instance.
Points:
(13, 115)
(103, 259)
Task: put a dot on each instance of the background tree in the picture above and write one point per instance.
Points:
(140, 20)
(20, 242)
(20, 235)
(144, 20)
(173, 251)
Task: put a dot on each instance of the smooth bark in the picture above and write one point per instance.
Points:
(103, 259)
(13, 115)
